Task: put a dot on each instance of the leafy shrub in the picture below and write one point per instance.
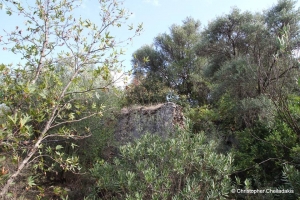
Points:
(291, 179)
(262, 152)
(202, 118)
(146, 92)
(183, 166)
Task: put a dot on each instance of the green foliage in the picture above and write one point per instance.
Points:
(183, 166)
(289, 110)
(243, 52)
(227, 37)
(102, 129)
(248, 87)
(246, 79)
(65, 63)
(237, 80)
(291, 179)
(252, 72)
(146, 92)
(281, 15)
(202, 118)
(171, 62)
(261, 152)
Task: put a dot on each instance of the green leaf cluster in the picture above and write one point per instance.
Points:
(183, 166)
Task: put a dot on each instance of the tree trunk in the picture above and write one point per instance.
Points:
(23, 164)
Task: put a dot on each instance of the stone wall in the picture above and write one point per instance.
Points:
(158, 119)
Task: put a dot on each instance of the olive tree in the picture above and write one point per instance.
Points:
(172, 61)
(42, 95)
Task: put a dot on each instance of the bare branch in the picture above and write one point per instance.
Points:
(72, 121)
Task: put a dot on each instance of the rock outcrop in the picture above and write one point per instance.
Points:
(158, 119)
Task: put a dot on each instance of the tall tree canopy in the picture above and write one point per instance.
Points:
(243, 71)
(255, 39)
(172, 60)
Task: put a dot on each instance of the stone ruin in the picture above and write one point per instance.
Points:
(158, 119)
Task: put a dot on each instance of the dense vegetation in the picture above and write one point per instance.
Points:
(237, 80)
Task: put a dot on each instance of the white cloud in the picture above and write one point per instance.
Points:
(153, 2)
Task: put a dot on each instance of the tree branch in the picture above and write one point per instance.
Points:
(72, 121)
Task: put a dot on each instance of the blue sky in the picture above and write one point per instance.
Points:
(157, 16)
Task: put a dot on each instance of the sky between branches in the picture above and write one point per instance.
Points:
(156, 15)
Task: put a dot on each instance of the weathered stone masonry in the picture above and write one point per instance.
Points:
(158, 119)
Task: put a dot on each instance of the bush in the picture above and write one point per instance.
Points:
(146, 92)
(183, 166)
(291, 179)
